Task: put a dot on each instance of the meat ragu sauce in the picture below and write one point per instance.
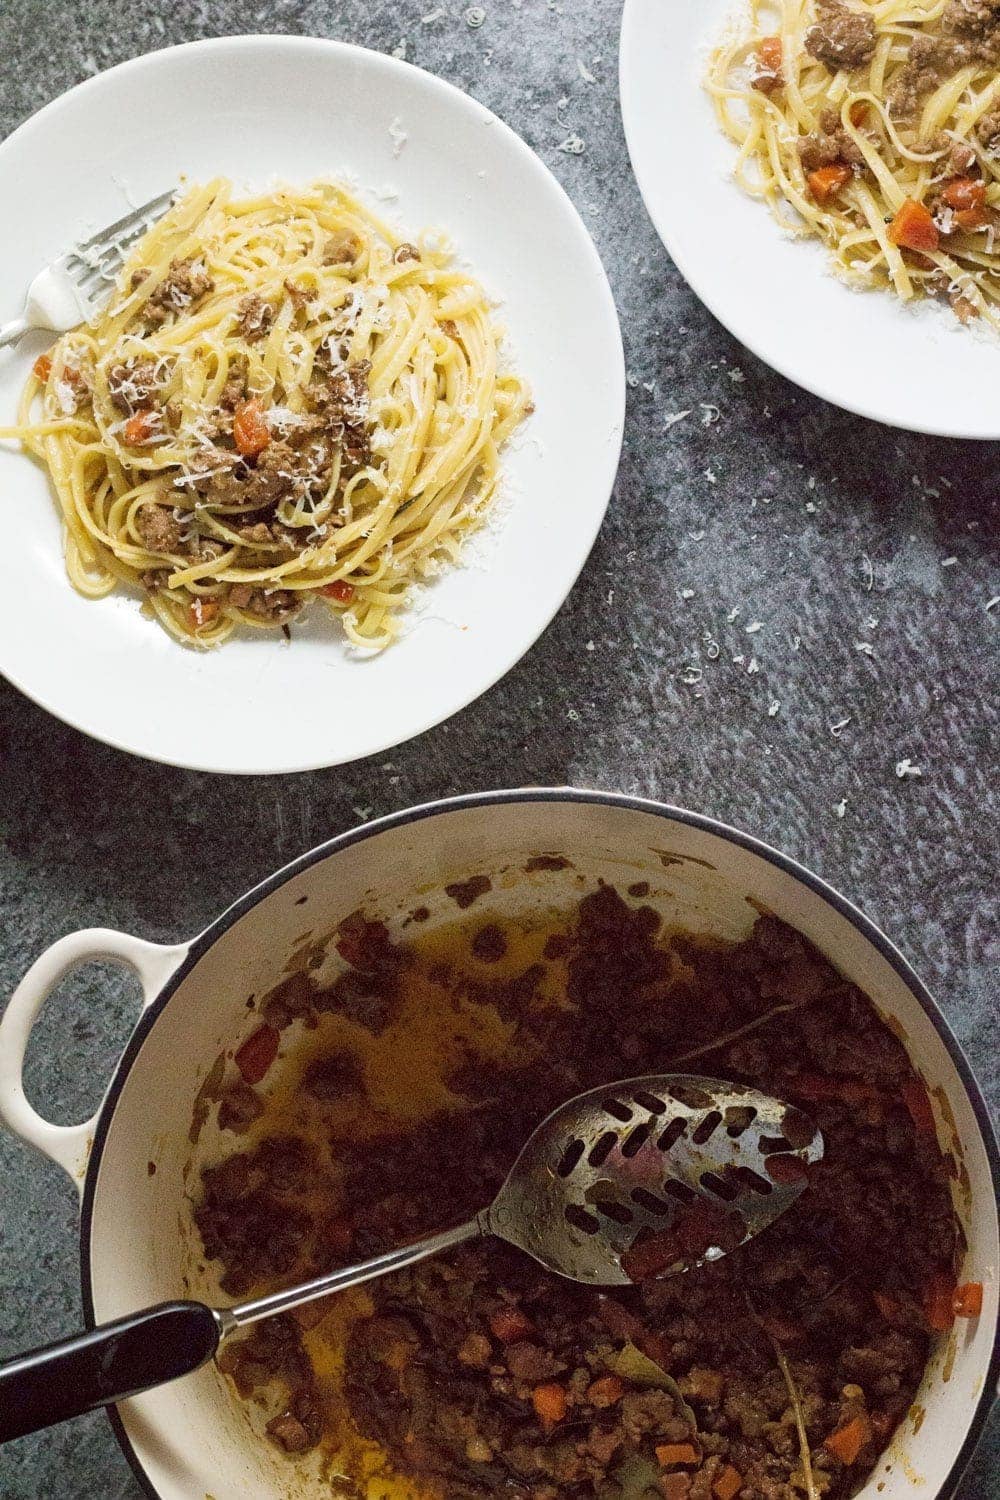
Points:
(480, 1374)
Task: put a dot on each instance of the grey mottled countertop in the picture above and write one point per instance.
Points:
(867, 557)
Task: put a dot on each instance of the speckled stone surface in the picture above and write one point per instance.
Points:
(843, 571)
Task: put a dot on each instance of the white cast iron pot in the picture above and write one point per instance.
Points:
(192, 1438)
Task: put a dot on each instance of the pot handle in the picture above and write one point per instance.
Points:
(67, 1145)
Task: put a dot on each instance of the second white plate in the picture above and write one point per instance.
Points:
(258, 109)
(911, 366)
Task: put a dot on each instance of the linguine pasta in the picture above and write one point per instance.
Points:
(282, 401)
(874, 126)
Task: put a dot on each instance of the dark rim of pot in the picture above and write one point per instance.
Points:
(784, 862)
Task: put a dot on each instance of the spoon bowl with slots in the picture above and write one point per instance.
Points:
(644, 1178)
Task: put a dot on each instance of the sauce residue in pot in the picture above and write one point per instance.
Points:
(419, 1072)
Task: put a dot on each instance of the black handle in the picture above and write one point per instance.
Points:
(104, 1365)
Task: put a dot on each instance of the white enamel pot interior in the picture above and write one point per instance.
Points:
(192, 1439)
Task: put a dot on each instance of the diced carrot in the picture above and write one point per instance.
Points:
(771, 53)
(257, 1053)
(913, 228)
(858, 113)
(939, 1301)
(964, 192)
(968, 1301)
(605, 1390)
(250, 430)
(827, 181)
(970, 220)
(509, 1324)
(916, 1100)
(202, 612)
(847, 1442)
(340, 590)
(140, 428)
(42, 368)
(676, 1453)
(549, 1401)
(676, 1486)
(728, 1484)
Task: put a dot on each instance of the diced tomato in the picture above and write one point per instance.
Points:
(939, 1301)
(202, 612)
(140, 428)
(771, 53)
(250, 430)
(340, 590)
(847, 1442)
(968, 1300)
(827, 181)
(916, 1100)
(858, 113)
(964, 193)
(913, 228)
(42, 368)
(605, 1390)
(549, 1401)
(258, 1053)
(728, 1484)
(669, 1454)
(510, 1324)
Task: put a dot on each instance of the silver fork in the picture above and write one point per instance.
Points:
(72, 289)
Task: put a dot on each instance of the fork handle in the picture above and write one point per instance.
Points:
(11, 332)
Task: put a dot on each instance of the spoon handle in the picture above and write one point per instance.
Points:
(348, 1276)
(104, 1365)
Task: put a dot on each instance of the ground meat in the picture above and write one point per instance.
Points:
(971, 18)
(239, 1106)
(489, 944)
(405, 252)
(841, 38)
(342, 248)
(298, 1429)
(255, 317)
(446, 1374)
(272, 605)
(186, 282)
(831, 143)
(344, 402)
(970, 35)
(530, 1363)
(133, 384)
(234, 391)
(334, 1078)
(988, 132)
(159, 529)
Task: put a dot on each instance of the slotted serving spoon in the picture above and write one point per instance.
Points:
(616, 1185)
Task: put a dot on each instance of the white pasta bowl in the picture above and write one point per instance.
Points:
(291, 109)
(138, 1246)
(912, 366)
